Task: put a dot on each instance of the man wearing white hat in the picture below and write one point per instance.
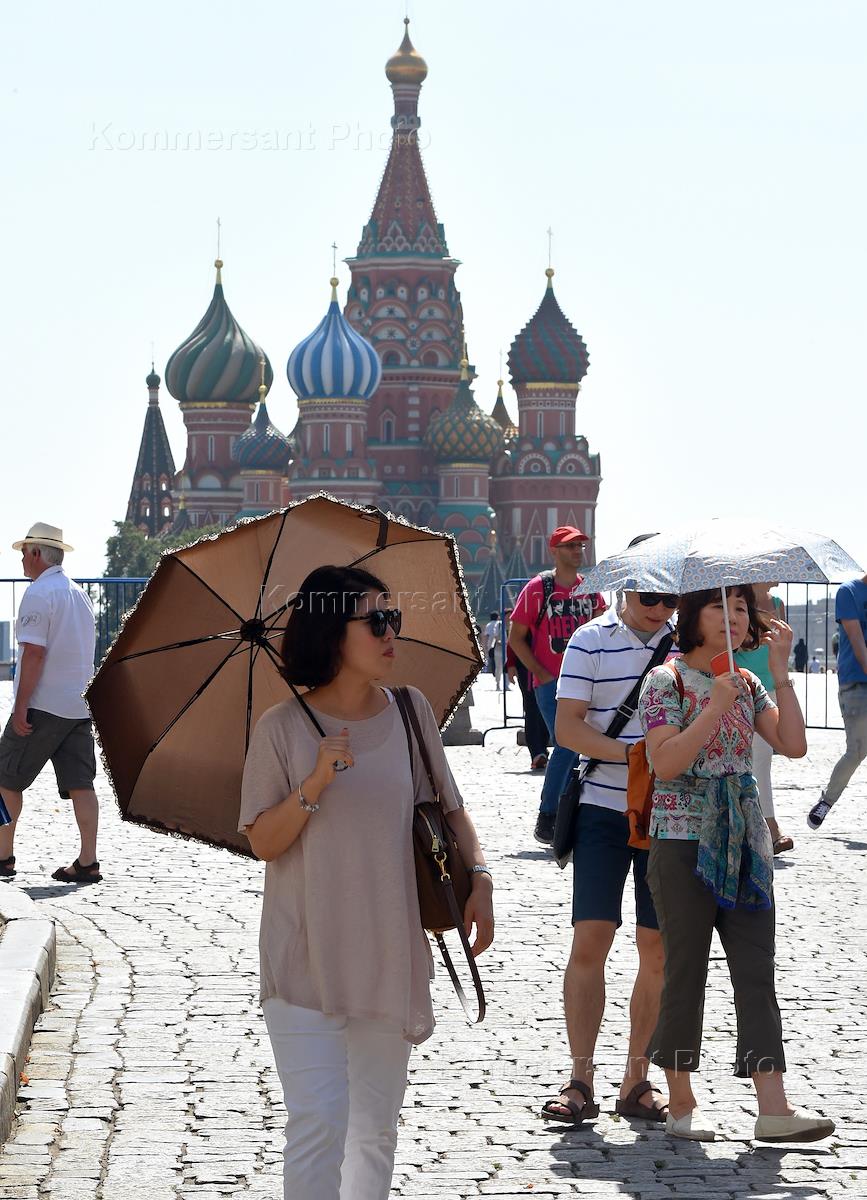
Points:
(57, 641)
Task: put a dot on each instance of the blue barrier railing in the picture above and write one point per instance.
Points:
(111, 598)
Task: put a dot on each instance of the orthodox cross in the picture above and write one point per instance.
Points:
(550, 238)
(219, 228)
(334, 258)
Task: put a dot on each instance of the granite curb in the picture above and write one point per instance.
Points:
(27, 962)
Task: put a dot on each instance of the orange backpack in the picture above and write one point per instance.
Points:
(639, 787)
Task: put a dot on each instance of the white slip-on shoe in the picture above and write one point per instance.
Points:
(693, 1125)
(799, 1127)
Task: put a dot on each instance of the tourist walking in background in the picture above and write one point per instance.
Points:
(492, 645)
(758, 662)
(345, 985)
(604, 661)
(851, 613)
(50, 721)
(711, 860)
(535, 730)
(801, 656)
(546, 614)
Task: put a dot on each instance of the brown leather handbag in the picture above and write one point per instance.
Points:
(444, 883)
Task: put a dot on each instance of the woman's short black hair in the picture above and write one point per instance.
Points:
(323, 606)
(690, 605)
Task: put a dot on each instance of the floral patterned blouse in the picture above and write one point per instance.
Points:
(677, 803)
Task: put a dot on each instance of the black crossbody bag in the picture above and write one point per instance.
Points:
(567, 810)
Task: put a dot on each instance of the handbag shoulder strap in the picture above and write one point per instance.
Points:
(626, 710)
(403, 699)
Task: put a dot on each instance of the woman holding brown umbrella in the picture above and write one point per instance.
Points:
(345, 962)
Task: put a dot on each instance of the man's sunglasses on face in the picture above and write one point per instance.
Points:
(651, 599)
(380, 619)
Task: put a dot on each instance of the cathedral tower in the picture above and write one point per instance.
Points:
(151, 506)
(214, 376)
(403, 299)
(550, 478)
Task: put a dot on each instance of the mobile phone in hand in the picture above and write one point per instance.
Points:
(719, 664)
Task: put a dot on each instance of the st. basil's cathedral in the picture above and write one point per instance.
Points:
(386, 410)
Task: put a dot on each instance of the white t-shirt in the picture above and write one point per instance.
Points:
(57, 614)
(492, 633)
(603, 661)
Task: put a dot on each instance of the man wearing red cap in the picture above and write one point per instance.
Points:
(547, 613)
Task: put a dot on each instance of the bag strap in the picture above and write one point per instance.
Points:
(403, 699)
(547, 578)
(626, 710)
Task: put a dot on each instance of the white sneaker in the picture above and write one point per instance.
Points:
(693, 1125)
(799, 1127)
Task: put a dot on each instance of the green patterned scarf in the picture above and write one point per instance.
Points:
(735, 854)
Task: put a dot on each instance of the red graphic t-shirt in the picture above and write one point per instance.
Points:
(565, 611)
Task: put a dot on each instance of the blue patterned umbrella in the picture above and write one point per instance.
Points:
(723, 553)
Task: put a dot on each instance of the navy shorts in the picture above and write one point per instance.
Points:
(601, 861)
(66, 741)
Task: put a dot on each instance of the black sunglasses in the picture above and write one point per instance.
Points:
(651, 599)
(380, 619)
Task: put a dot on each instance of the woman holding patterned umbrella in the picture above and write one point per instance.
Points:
(711, 859)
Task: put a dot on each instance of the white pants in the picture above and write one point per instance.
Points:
(343, 1082)
(763, 757)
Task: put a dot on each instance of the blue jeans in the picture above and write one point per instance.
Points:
(562, 760)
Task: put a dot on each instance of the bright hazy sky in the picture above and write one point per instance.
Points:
(702, 167)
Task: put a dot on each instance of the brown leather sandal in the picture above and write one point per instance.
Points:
(631, 1106)
(7, 867)
(578, 1114)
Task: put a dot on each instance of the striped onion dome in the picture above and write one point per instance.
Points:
(548, 349)
(463, 433)
(262, 447)
(334, 360)
(218, 362)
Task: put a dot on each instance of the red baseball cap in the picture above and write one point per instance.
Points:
(564, 534)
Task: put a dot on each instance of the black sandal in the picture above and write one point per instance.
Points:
(587, 1112)
(7, 867)
(79, 874)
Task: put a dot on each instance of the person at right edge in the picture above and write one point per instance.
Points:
(711, 861)
(851, 614)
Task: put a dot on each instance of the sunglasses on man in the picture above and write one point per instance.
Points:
(381, 619)
(651, 599)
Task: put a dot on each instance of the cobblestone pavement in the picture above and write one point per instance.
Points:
(150, 1073)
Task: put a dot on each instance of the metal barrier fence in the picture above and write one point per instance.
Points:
(111, 598)
(809, 608)
(810, 612)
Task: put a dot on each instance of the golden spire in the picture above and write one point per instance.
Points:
(549, 271)
(406, 65)
(334, 282)
(465, 362)
(218, 262)
(500, 389)
(263, 389)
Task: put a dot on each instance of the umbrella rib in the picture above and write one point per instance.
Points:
(270, 561)
(439, 649)
(391, 546)
(211, 637)
(191, 701)
(249, 698)
(216, 595)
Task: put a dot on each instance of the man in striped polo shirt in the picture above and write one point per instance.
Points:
(603, 661)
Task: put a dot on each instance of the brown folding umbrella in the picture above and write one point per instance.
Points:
(195, 664)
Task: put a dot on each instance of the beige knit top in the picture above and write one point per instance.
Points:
(340, 930)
